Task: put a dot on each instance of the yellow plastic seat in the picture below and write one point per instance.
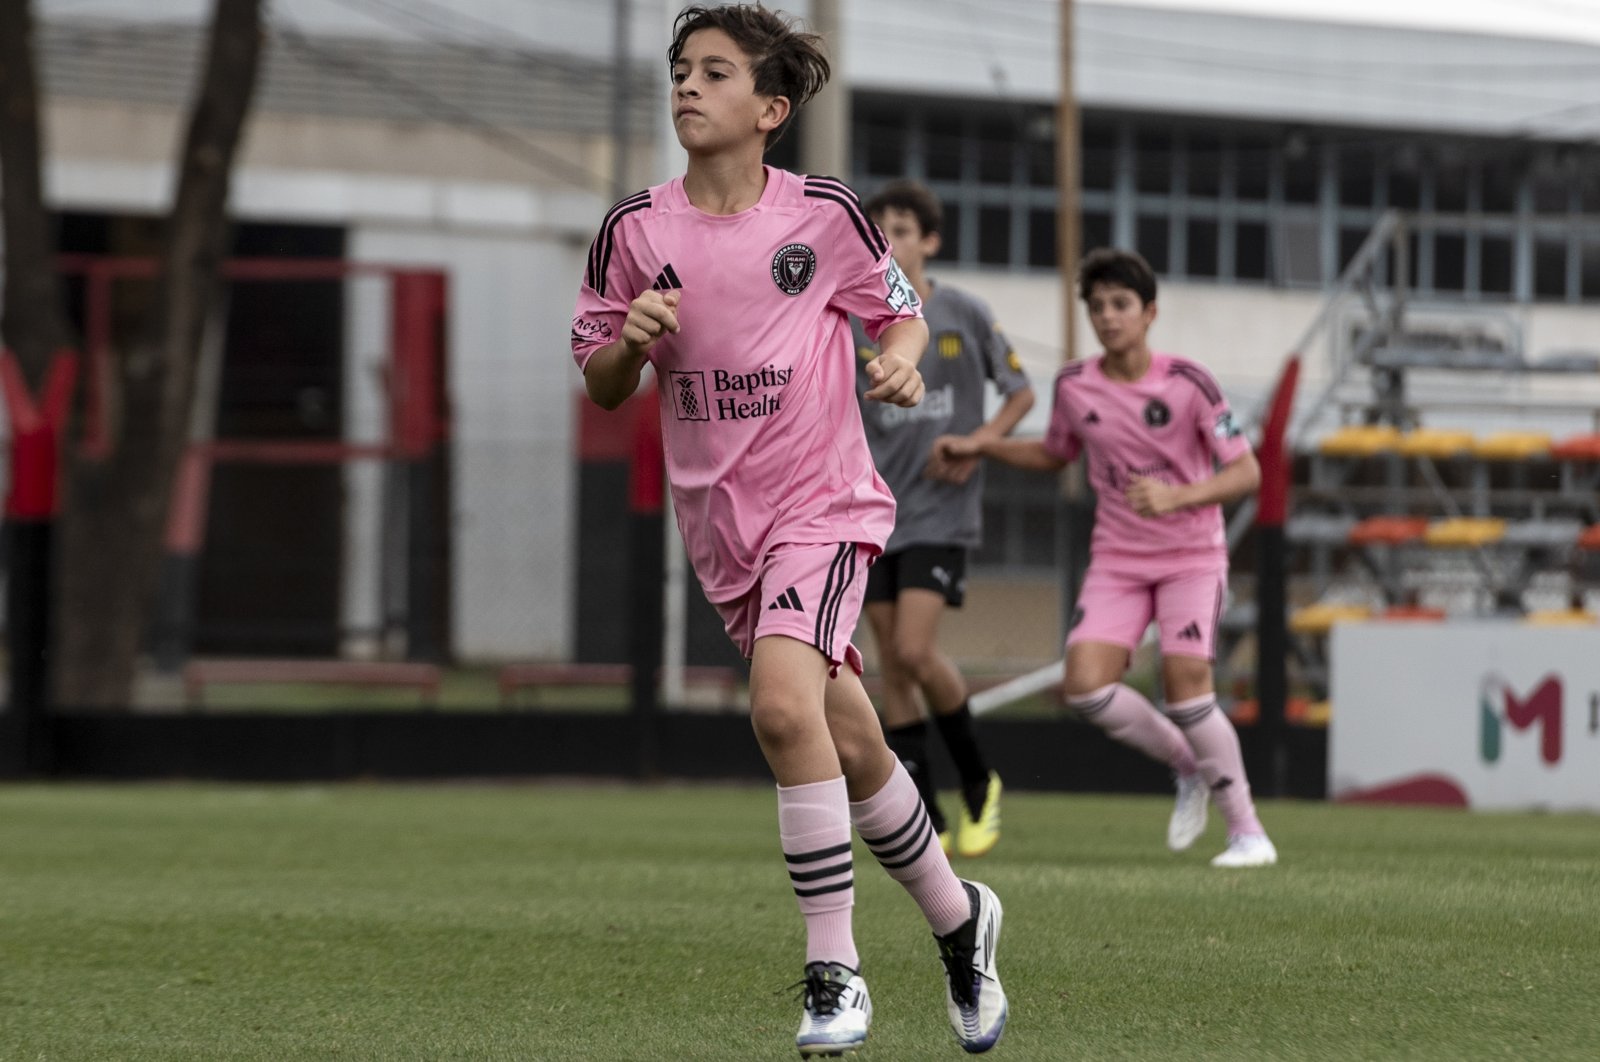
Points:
(1437, 443)
(1320, 618)
(1465, 532)
(1562, 617)
(1360, 440)
(1318, 714)
(1513, 445)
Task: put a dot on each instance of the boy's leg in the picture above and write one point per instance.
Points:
(786, 709)
(903, 723)
(932, 578)
(1188, 606)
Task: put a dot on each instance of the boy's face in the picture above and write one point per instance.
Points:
(1119, 317)
(714, 100)
(911, 247)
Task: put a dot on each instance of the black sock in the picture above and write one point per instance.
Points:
(956, 729)
(910, 745)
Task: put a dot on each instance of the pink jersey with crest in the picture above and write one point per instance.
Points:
(761, 426)
(1171, 424)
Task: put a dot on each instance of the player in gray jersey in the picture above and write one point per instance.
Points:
(939, 514)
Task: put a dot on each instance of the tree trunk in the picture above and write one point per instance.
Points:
(32, 322)
(117, 506)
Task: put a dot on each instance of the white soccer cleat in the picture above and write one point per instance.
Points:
(837, 1012)
(1188, 820)
(1247, 850)
(976, 1002)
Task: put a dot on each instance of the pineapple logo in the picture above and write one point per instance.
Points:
(1499, 705)
(689, 395)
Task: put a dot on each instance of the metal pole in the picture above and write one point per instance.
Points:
(825, 129)
(1076, 512)
(621, 100)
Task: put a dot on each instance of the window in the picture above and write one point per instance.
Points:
(1301, 171)
(1042, 238)
(943, 162)
(950, 234)
(1204, 155)
(1449, 262)
(1253, 167)
(994, 235)
(1151, 239)
(1153, 162)
(1099, 153)
(1201, 258)
(1550, 269)
(1497, 270)
(1589, 269)
(1250, 262)
(1095, 230)
(1357, 174)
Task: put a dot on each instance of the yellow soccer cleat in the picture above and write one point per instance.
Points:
(975, 837)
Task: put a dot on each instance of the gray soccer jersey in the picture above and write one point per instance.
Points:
(965, 348)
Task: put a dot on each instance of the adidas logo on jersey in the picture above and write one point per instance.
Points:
(667, 279)
(1091, 417)
(1190, 633)
(788, 600)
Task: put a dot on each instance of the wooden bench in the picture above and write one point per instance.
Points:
(516, 677)
(198, 674)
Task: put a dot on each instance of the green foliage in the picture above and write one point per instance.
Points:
(610, 923)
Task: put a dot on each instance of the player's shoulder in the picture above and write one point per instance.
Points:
(1074, 373)
(835, 200)
(1189, 373)
(963, 302)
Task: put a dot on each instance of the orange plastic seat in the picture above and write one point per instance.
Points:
(1360, 440)
(1320, 618)
(1578, 448)
(1388, 530)
(1590, 539)
(1513, 445)
(1465, 532)
(1562, 617)
(1438, 443)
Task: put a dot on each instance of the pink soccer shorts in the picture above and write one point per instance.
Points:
(1184, 595)
(811, 593)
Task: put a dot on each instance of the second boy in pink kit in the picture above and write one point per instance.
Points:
(1163, 452)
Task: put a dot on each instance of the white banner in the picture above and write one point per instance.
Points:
(1483, 715)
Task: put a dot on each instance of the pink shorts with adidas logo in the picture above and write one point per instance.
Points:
(1184, 594)
(809, 593)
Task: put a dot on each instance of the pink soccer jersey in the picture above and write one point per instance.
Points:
(762, 431)
(1169, 425)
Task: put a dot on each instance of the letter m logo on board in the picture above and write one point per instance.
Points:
(1499, 705)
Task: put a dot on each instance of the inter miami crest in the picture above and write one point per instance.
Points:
(793, 267)
(1156, 413)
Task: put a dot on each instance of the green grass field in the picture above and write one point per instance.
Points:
(603, 922)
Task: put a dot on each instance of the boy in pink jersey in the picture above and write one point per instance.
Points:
(735, 283)
(1163, 453)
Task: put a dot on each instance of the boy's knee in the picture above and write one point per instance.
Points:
(915, 658)
(782, 718)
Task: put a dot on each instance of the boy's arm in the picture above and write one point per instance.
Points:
(612, 373)
(893, 372)
(1233, 480)
(1004, 421)
(1027, 454)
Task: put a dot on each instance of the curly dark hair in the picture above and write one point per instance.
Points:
(1123, 268)
(914, 198)
(785, 60)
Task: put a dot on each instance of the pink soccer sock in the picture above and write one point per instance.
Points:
(1124, 714)
(814, 827)
(894, 823)
(1216, 749)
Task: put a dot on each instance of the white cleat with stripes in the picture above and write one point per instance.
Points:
(837, 1012)
(976, 1002)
